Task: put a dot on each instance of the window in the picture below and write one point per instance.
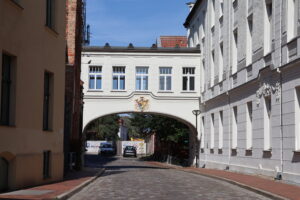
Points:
(221, 62)
(118, 78)
(188, 79)
(291, 19)
(212, 131)
(212, 69)
(165, 78)
(46, 164)
(234, 51)
(213, 13)
(249, 40)
(234, 127)
(50, 13)
(267, 123)
(220, 129)
(141, 78)
(249, 125)
(202, 132)
(5, 89)
(203, 76)
(268, 26)
(235, 5)
(221, 3)
(48, 101)
(95, 78)
(297, 119)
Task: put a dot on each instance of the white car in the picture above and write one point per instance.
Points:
(106, 148)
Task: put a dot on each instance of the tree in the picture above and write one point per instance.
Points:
(105, 128)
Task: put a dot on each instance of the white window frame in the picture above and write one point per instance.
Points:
(95, 73)
(212, 130)
(119, 73)
(267, 103)
(167, 73)
(234, 127)
(249, 40)
(189, 74)
(291, 21)
(221, 129)
(212, 69)
(268, 27)
(249, 121)
(221, 60)
(144, 74)
(297, 119)
(202, 132)
(234, 51)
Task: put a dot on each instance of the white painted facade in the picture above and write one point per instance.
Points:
(172, 66)
(250, 73)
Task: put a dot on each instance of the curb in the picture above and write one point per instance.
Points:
(247, 187)
(250, 188)
(73, 191)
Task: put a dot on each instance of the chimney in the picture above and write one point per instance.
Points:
(190, 5)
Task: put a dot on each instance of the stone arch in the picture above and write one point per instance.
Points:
(193, 138)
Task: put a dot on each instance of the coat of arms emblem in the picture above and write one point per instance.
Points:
(141, 104)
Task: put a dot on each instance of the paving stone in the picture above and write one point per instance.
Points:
(132, 179)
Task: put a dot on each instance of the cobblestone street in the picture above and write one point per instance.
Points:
(128, 178)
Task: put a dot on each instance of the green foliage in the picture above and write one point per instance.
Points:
(167, 129)
(105, 128)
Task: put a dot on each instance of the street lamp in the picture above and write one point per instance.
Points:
(196, 113)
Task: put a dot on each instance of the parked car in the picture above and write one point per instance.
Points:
(106, 149)
(129, 151)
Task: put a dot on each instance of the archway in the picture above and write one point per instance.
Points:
(191, 140)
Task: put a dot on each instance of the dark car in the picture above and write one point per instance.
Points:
(129, 151)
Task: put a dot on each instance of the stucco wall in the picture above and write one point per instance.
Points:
(36, 49)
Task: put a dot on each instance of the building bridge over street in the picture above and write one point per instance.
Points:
(164, 81)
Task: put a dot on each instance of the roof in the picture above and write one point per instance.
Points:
(192, 13)
(131, 48)
(172, 41)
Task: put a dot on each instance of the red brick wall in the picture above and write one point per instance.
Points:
(73, 91)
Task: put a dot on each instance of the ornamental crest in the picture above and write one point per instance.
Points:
(266, 90)
(141, 104)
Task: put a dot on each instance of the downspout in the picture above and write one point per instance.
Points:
(279, 174)
(231, 12)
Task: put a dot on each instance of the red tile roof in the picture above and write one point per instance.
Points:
(172, 41)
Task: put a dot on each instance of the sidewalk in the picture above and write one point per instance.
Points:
(60, 190)
(267, 187)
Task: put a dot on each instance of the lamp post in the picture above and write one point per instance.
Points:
(196, 113)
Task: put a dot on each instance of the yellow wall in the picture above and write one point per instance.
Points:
(37, 48)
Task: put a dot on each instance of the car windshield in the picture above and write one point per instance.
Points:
(130, 148)
(105, 146)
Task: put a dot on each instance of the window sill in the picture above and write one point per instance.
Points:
(142, 91)
(51, 31)
(17, 5)
(118, 90)
(165, 91)
(188, 92)
(48, 131)
(94, 90)
(267, 150)
(7, 126)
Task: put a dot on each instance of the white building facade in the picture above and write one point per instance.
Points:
(250, 85)
(130, 79)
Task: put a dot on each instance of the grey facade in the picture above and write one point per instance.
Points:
(250, 94)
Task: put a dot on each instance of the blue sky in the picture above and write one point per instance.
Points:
(120, 22)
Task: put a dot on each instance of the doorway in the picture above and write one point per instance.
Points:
(3, 175)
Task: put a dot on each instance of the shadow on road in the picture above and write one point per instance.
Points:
(97, 161)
